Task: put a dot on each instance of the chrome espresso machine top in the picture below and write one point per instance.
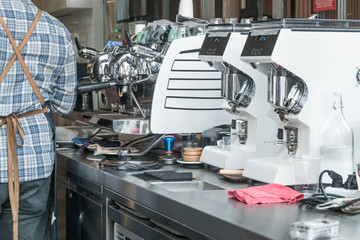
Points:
(163, 88)
(306, 61)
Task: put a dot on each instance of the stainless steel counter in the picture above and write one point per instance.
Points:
(210, 212)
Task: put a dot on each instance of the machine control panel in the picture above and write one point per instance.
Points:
(260, 44)
(214, 44)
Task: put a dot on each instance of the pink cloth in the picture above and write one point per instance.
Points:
(271, 193)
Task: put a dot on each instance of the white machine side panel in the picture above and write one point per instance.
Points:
(187, 96)
(327, 62)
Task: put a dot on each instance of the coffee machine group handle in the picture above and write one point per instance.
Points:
(85, 52)
(89, 87)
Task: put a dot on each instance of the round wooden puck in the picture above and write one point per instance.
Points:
(190, 158)
(192, 151)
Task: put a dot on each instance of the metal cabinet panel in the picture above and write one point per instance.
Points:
(83, 217)
(79, 204)
(137, 227)
(143, 221)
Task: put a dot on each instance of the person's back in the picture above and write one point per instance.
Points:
(46, 53)
(50, 58)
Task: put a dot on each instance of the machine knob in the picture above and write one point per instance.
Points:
(169, 143)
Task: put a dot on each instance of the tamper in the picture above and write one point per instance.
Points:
(169, 157)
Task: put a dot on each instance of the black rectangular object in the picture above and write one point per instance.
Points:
(212, 135)
(259, 45)
(171, 175)
(214, 46)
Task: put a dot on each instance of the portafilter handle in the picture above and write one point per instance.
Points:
(128, 39)
(89, 87)
(78, 44)
(85, 52)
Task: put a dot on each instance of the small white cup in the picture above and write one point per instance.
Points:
(139, 27)
(199, 30)
(183, 31)
(215, 20)
(226, 140)
(186, 8)
(231, 20)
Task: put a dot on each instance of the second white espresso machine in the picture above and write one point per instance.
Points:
(244, 92)
(306, 61)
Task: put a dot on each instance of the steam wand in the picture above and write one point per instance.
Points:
(132, 90)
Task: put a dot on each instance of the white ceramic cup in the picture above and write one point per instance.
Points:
(199, 30)
(186, 8)
(183, 31)
(139, 27)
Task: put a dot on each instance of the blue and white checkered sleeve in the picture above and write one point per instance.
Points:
(65, 85)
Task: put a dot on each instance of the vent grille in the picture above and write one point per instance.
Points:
(188, 103)
(121, 233)
(190, 65)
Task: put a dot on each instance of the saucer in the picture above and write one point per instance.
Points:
(233, 175)
(188, 163)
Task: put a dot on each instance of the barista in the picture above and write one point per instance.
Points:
(38, 75)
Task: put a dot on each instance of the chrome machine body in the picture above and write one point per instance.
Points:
(132, 69)
(244, 93)
(165, 84)
(306, 61)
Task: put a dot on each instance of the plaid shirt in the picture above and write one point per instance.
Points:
(50, 57)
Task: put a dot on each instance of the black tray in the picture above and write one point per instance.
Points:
(171, 175)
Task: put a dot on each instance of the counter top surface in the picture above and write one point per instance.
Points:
(211, 212)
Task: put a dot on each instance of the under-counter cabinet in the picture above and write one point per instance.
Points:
(79, 208)
(129, 220)
(89, 211)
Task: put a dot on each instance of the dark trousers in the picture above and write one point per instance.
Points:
(33, 210)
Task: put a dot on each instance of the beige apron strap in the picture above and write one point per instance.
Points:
(13, 126)
(21, 46)
(18, 55)
(13, 166)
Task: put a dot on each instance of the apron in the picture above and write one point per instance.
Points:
(13, 126)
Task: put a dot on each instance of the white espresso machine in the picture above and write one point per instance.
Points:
(187, 97)
(244, 91)
(306, 62)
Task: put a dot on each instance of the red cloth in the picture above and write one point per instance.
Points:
(271, 193)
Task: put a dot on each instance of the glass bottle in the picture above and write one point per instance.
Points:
(337, 143)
